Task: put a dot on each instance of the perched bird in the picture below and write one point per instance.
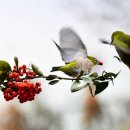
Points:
(4, 70)
(121, 41)
(74, 54)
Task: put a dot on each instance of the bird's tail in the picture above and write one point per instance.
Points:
(55, 68)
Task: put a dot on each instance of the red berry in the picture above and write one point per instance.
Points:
(10, 84)
(24, 66)
(17, 79)
(38, 84)
(10, 76)
(15, 67)
(15, 74)
(20, 67)
(24, 90)
(24, 70)
(25, 81)
(21, 73)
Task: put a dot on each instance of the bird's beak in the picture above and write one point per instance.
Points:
(100, 63)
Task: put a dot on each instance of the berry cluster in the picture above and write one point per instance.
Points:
(21, 71)
(19, 85)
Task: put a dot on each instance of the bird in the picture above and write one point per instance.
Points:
(5, 68)
(121, 41)
(74, 54)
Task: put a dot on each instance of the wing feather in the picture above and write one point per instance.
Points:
(71, 46)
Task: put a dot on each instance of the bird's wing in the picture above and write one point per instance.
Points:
(71, 45)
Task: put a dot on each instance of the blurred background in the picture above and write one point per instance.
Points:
(27, 28)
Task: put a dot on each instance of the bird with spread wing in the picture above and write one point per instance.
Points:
(74, 54)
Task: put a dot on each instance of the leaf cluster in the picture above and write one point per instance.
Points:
(96, 83)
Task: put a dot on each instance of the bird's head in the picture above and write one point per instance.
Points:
(94, 60)
(116, 35)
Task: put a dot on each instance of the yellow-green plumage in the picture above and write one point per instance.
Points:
(122, 45)
(75, 67)
(70, 69)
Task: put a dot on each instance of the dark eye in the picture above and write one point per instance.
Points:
(95, 60)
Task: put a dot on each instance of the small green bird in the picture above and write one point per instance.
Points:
(121, 41)
(4, 70)
(74, 54)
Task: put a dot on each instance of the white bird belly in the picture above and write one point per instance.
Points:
(85, 65)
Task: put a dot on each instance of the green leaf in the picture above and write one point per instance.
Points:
(4, 66)
(53, 82)
(117, 74)
(4, 70)
(106, 76)
(2, 88)
(87, 79)
(51, 77)
(97, 87)
(90, 78)
(36, 70)
(101, 78)
(92, 89)
(75, 87)
(3, 76)
(16, 61)
(101, 86)
(110, 74)
(94, 75)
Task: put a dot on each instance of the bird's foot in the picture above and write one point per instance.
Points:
(81, 74)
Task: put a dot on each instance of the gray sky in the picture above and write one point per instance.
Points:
(26, 30)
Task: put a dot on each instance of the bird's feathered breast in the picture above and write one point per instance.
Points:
(85, 64)
(125, 57)
(122, 41)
